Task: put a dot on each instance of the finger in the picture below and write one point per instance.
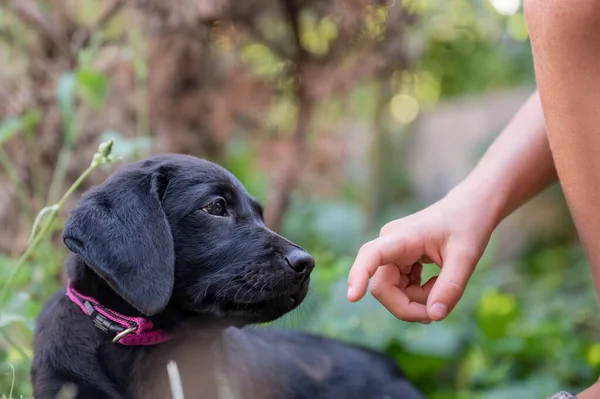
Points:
(416, 294)
(404, 282)
(415, 274)
(389, 249)
(450, 285)
(386, 277)
(428, 286)
(420, 294)
(390, 228)
(391, 275)
(394, 299)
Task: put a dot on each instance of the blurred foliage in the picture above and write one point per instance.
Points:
(524, 328)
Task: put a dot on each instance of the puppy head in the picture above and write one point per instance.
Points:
(181, 230)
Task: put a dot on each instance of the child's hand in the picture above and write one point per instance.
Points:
(451, 233)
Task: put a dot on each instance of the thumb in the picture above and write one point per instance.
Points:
(457, 268)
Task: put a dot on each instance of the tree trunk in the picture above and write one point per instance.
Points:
(372, 200)
(287, 179)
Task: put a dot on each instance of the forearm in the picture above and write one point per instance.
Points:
(565, 42)
(516, 167)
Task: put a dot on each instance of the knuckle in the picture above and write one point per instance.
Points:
(412, 241)
(397, 225)
(377, 289)
(454, 290)
(386, 229)
(366, 248)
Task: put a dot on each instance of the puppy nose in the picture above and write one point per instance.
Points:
(300, 261)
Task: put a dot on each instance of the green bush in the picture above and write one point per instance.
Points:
(524, 328)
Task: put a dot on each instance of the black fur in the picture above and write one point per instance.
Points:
(154, 240)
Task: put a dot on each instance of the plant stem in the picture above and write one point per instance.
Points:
(62, 164)
(45, 228)
(37, 177)
(17, 184)
(12, 383)
(100, 158)
(12, 343)
(59, 174)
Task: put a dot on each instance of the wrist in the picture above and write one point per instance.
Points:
(483, 200)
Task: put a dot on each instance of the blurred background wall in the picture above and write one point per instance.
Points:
(339, 115)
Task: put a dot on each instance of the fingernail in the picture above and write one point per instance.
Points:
(438, 311)
(350, 291)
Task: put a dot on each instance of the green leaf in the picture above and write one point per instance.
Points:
(19, 310)
(9, 127)
(32, 118)
(6, 319)
(340, 226)
(439, 339)
(240, 162)
(261, 59)
(65, 94)
(537, 387)
(38, 219)
(496, 312)
(418, 368)
(17, 302)
(13, 125)
(92, 86)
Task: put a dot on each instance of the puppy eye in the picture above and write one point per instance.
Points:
(216, 208)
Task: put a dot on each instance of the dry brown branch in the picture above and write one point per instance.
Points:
(292, 12)
(109, 12)
(197, 97)
(352, 57)
(29, 12)
(286, 182)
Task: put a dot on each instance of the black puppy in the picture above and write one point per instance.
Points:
(170, 260)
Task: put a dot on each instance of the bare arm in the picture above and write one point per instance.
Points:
(516, 167)
(564, 39)
(454, 232)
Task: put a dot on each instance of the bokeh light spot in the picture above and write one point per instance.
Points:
(404, 108)
(517, 28)
(506, 7)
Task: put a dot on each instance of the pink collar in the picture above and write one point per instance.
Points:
(130, 331)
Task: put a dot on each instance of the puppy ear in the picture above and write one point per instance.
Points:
(121, 231)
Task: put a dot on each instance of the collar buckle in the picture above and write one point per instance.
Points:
(106, 325)
(124, 333)
(111, 322)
